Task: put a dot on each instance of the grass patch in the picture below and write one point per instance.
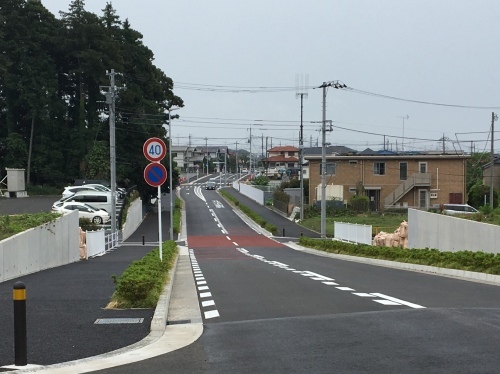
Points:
(250, 213)
(386, 222)
(462, 260)
(14, 224)
(142, 282)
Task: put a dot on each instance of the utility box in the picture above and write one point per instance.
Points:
(16, 186)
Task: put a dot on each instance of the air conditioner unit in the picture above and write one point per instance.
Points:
(434, 195)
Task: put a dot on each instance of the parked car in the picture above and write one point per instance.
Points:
(97, 216)
(210, 185)
(97, 199)
(455, 209)
(71, 190)
(244, 170)
(100, 187)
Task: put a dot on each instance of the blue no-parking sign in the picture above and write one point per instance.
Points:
(155, 174)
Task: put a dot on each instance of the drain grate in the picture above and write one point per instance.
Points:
(111, 321)
(179, 322)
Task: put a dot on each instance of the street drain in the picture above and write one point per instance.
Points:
(179, 322)
(110, 321)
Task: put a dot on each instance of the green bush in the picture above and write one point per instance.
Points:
(360, 203)
(87, 225)
(142, 282)
(461, 260)
(261, 180)
(271, 228)
(279, 195)
(177, 216)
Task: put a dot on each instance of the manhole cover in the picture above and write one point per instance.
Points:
(109, 321)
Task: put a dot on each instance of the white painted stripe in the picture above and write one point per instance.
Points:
(362, 294)
(236, 244)
(201, 282)
(211, 314)
(317, 279)
(205, 294)
(203, 288)
(311, 274)
(290, 269)
(218, 225)
(243, 250)
(228, 238)
(330, 283)
(345, 289)
(411, 305)
(386, 302)
(207, 303)
(298, 271)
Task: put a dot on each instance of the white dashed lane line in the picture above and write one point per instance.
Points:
(376, 297)
(203, 289)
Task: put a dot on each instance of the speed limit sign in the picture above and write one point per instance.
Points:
(154, 149)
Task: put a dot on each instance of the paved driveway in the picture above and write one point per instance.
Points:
(21, 205)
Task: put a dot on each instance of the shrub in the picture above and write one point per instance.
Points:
(87, 225)
(260, 180)
(360, 203)
(271, 228)
(141, 283)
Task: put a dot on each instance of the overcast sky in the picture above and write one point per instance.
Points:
(236, 64)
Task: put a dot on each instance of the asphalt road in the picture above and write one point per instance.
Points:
(270, 309)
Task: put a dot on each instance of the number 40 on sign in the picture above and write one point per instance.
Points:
(154, 149)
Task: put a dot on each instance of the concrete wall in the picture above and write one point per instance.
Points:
(447, 233)
(95, 243)
(47, 246)
(134, 218)
(250, 192)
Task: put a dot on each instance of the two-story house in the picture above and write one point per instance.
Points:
(282, 157)
(389, 179)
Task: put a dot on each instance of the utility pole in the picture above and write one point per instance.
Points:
(250, 154)
(111, 95)
(403, 140)
(337, 85)
(206, 146)
(236, 161)
(492, 162)
(301, 152)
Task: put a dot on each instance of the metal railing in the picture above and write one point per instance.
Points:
(415, 180)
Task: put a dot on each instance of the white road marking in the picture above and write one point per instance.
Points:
(199, 283)
(211, 314)
(386, 302)
(203, 288)
(236, 244)
(411, 305)
(330, 283)
(242, 250)
(205, 294)
(228, 238)
(362, 294)
(207, 303)
(345, 289)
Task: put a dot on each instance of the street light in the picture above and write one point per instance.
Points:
(170, 173)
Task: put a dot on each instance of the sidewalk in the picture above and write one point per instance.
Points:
(290, 228)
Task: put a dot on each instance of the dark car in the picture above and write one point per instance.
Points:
(210, 185)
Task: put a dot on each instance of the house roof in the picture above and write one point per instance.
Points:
(496, 161)
(281, 158)
(330, 150)
(286, 148)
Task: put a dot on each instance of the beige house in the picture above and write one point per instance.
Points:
(421, 180)
(283, 157)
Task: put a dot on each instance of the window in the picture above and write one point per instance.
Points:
(291, 153)
(403, 171)
(422, 167)
(330, 169)
(353, 162)
(379, 168)
(291, 165)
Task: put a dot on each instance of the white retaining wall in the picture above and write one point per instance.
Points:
(353, 232)
(450, 234)
(250, 192)
(134, 218)
(47, 246)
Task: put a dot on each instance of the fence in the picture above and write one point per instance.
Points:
(353, 232)
(446, 233)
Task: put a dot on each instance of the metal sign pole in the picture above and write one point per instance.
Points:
(159, 224)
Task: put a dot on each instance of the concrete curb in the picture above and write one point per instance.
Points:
(471, 276)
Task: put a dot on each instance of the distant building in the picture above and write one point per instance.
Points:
(390, 179)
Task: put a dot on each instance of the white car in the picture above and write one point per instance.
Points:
(71, 190)
(97, 216)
